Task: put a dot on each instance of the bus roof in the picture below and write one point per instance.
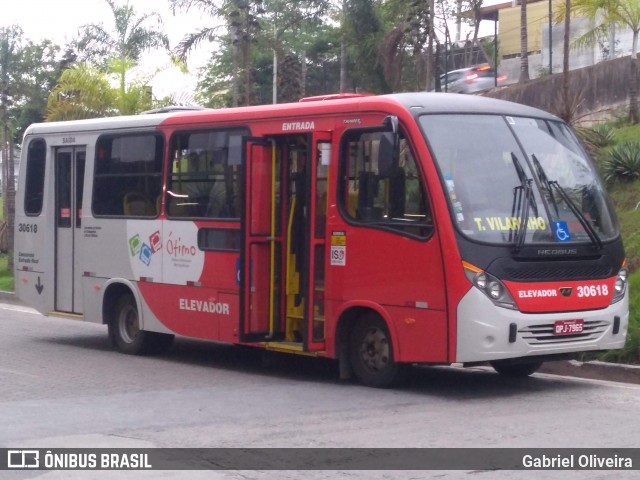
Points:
(417, 103)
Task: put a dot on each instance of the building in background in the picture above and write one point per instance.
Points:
(546, 46)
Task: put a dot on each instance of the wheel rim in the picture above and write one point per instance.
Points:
(128, 324)
(374, 350)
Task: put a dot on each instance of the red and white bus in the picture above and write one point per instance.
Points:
(376, 230)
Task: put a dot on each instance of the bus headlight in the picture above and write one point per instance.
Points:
(620, 286)
(490, 286)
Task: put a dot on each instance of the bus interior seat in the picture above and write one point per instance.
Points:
(137, 204)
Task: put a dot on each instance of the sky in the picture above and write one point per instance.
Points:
(59, 21)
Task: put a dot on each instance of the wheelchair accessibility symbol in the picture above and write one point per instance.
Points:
(561, 230)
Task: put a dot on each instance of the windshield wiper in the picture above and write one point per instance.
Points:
(522, 200)
(554, 185)
(545, 181)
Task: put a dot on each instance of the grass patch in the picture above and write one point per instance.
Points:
(627, 133)
(6, 277)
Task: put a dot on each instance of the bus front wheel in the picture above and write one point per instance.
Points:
(125, 332)
(371, 353)
(509, 369)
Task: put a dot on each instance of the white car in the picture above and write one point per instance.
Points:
(471, 79)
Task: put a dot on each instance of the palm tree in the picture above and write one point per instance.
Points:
(524, 48)
(83, 91)
(128, 40)
(241, 17)
(607, 13)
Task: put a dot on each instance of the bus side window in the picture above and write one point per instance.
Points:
(204, 174)
(128, 175)
(380, 187)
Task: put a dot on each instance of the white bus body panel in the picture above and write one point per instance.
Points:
(483, 330)
(35, 236)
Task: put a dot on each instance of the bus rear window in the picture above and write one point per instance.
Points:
(34, 186)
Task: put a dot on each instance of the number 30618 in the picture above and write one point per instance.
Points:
(592, 291)
(28, 227)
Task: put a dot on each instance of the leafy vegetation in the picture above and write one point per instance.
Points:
(6, 277)
(619, 160)
(622, 162)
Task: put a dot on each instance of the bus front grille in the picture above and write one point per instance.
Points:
(543, 334)
(530, 274)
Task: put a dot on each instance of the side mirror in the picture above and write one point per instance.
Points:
(391, 122)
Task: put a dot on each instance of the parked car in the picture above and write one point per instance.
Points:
(471, 79)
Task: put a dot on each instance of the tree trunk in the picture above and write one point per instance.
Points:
(633, 81)
(10, 203)
(235, 81)
(275, 62)
(524, 48)
(343, 66)
(431, 70)
(565, 62)
(303, 74)
(343, 52)
(4, 152)
(633, 90)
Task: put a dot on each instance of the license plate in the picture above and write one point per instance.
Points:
(568, 327)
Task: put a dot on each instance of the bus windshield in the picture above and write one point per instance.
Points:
(519, 180)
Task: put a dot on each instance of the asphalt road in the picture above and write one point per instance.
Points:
(62, 386)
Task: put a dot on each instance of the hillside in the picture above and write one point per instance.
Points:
(624, 189)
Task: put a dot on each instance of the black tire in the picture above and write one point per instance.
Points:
(124, 328)
(159, 342)
(371, 353)
(510, 369)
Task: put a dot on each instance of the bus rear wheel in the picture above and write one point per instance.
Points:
(125, 332)
(510, 369)
(371, 353)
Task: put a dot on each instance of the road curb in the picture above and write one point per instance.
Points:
(613, 372)
(7, 295)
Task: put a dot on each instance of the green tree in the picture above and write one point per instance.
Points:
(130, 37)
(290, 27)
(241, 19)
(10, 55)
(403, 47)
(84, 91)
(603, 14)
(363, 30)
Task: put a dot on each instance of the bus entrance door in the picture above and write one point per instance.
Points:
(69, 167)
(304, 206)
(317, 199)
(283, 255)
(261, 252)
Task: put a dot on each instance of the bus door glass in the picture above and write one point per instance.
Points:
(303, 212)
(261, 253)
(318, 201)
(69, 167)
